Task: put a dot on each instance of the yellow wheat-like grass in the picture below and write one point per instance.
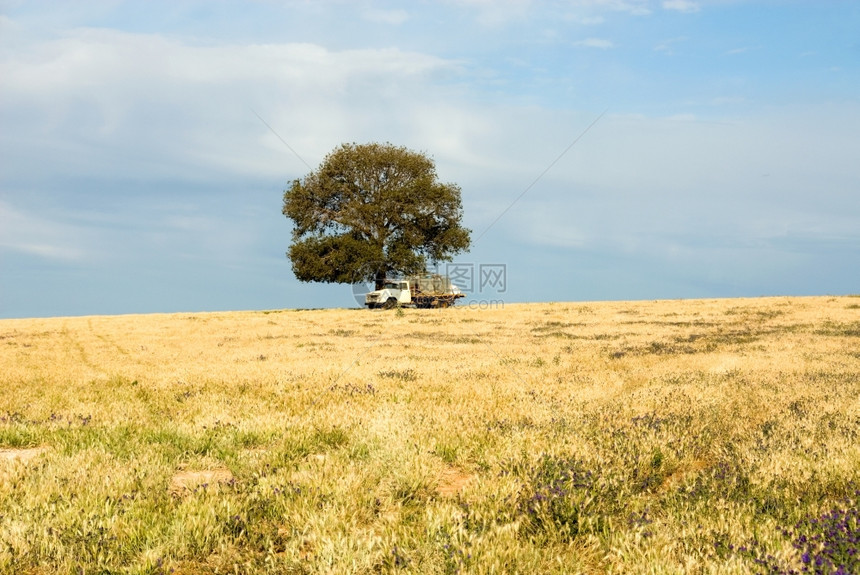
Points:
(625, 437)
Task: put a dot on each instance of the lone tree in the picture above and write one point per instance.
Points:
(370, 210)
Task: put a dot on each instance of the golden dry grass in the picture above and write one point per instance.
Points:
(21, 454)
(624, 437)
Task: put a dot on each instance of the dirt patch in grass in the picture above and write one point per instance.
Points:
(681, 474)
(186, 481)
(452, 481)
(25, 454)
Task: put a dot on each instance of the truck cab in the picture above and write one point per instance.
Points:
(393, 293)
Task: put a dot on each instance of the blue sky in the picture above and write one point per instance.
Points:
(136, 175)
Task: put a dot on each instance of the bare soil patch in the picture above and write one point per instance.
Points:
(680, 475)
(452, 481)
(186, 481)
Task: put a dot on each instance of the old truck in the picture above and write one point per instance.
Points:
(425, 291)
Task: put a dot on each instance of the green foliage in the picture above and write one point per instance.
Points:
(371, 209)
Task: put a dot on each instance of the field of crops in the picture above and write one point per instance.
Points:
(701, 436)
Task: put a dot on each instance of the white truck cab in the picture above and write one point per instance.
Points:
(393, 293)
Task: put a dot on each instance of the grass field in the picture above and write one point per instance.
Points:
(718, 436)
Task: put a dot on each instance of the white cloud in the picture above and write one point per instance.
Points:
(702, 179)
(685, 6)
(677, 187)
(111, 102)
(727, 100)
(668, 46)
(545, 223)
(26, 233)
(600, 43)
(497, 13)
(393, 17)
(120, 105)
(634, 7)
(585, 20)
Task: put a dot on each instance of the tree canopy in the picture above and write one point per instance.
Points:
(369, 211)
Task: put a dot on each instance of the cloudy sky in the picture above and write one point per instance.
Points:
(634, 149)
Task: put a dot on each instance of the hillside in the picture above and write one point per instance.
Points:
(628, 437)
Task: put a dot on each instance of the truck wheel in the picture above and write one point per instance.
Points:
(391, 303)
